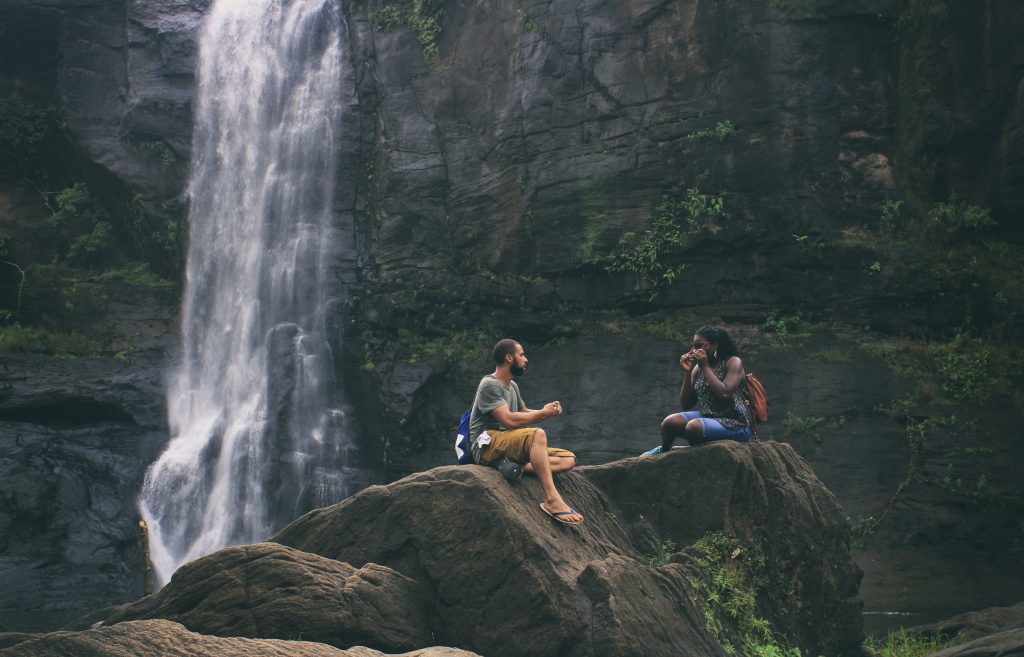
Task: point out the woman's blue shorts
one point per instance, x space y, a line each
713 429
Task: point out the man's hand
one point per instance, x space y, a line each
553 408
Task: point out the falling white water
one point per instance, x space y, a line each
252 433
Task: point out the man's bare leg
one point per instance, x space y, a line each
558 464
541 463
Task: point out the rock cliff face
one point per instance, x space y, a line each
487 174
75 438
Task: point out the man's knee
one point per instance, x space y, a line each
540 438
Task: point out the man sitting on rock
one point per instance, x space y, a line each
500 426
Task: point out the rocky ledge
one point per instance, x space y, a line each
169 639
992 632
696 552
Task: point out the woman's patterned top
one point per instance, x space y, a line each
732 412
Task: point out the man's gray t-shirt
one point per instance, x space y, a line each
490 394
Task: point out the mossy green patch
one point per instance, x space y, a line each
136 273
728 596
38 340
24 129
722 131
422 16
794 425
655 255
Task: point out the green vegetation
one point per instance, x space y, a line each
422 16
16 337
87 247
944 253
524 23
159 231
136 273
793 424
159 151
453 349
661 557
672 225
952 222
965 369
900 644
728 596
918 431
24 128
79 228
892 217
721 132
833 356
786 327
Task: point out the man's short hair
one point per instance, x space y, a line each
506 347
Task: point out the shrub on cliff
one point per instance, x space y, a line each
24 128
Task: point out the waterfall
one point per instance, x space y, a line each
254 440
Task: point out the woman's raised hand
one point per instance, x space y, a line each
687 360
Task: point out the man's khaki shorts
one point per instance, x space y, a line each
515 445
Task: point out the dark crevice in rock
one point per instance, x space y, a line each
68 414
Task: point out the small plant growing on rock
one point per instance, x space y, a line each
672 224
892 217
665 550
722 131
794 424
159 151
900 644
955 220
422 16
785 326
24 129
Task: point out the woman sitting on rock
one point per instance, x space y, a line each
713 381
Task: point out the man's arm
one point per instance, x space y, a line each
520 419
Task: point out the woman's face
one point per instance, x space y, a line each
700 342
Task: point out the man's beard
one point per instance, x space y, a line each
518 371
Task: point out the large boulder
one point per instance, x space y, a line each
271 591
975 624
1001 644
504 579
167 639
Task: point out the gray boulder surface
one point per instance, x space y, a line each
274 592
975 624
160 638
1009 643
